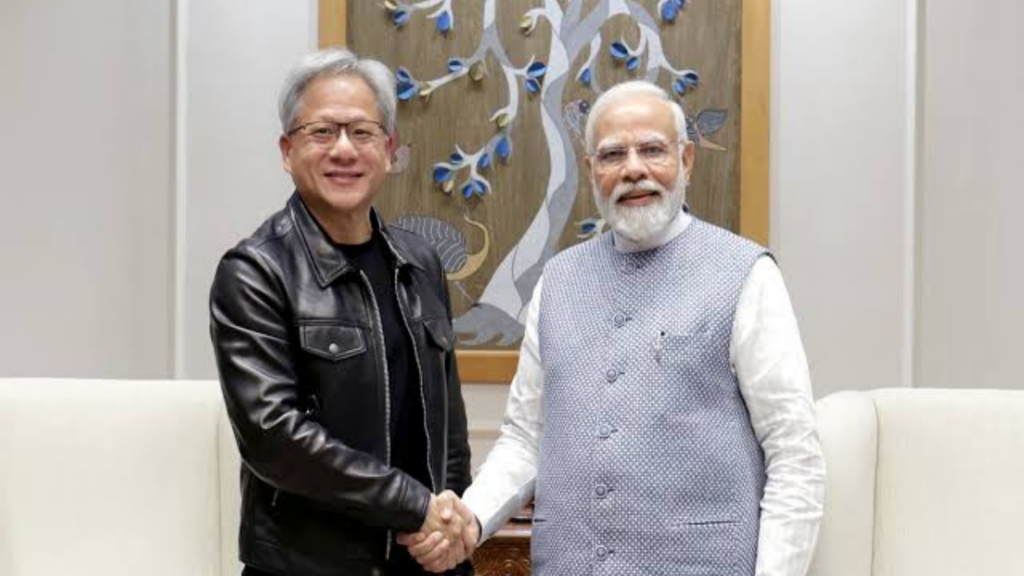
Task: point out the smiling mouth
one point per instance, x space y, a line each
343 176
637 197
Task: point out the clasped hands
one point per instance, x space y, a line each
448 535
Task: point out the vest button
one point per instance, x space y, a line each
601 490
620 320
604 431
612 375
601 552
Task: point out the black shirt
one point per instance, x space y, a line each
408 438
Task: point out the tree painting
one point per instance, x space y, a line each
576 49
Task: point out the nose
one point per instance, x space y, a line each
634 170
343 148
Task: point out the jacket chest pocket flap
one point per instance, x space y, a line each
440 333
331 341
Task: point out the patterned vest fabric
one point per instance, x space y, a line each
648 463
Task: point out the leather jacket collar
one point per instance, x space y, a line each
328 261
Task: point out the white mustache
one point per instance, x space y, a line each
624 188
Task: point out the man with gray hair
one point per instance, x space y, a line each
661 416
335 348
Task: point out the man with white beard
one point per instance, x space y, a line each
661 414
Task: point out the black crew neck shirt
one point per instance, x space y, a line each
408 436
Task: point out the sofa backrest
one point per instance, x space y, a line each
922 481
114 478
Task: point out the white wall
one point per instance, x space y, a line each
238 53
840 192
85 161
971 283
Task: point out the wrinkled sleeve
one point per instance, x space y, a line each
769 360
505 482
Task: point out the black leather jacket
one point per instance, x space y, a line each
298 341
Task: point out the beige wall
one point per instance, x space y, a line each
86 164
236 56
840 197
971 276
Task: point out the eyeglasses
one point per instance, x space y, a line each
326 132
652 152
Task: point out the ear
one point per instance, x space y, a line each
392 148
285 144
689 153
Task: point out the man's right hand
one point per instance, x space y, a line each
448 535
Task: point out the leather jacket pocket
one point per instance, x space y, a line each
440 333
331 341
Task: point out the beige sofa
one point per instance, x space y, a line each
111 478
922 483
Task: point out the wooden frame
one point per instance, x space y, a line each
498 367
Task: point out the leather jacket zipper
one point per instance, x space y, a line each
387 389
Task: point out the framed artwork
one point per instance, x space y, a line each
493 99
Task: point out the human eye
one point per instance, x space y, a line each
611 155
652 150
323 131
363 131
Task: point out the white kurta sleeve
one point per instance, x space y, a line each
505 482
769 360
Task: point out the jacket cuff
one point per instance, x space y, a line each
418 497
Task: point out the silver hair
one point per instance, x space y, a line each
336 62
633 88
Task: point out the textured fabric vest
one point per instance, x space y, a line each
648 463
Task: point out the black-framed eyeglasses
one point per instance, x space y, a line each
327 132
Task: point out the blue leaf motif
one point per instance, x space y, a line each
442 173
532 86
402 75
484 161
444 22
467 190
479 187
669 11
619 51
406 90
454 64
633 63
503 148
536 70
400 18
455 158
686 83
585 77
588 227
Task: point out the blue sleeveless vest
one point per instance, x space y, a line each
648 463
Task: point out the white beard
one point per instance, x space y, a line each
641 223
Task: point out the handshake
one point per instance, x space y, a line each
448 535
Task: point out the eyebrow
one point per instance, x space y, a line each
645 138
